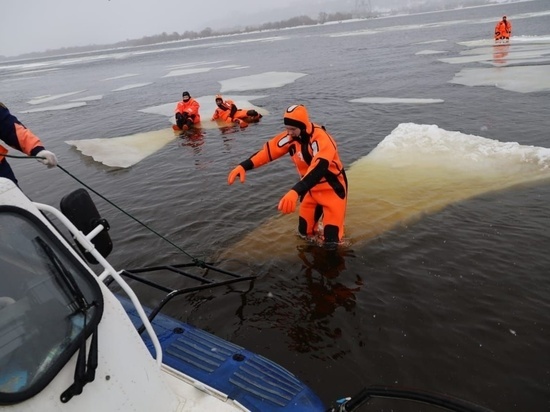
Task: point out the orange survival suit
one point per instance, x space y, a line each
187 111
227 111
323 186
14 134
503 29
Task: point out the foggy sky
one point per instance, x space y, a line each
38 25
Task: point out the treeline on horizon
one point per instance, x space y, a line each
434 5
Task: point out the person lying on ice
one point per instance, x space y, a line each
323 186
227 111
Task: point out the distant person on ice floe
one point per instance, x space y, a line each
503 29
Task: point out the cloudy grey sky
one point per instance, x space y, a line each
38 25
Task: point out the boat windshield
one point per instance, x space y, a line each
49 303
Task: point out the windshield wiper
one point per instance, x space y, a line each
85 370
64 278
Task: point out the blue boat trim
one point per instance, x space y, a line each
250 379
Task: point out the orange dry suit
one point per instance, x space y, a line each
16 135
187 113
227 111
503 30
323 185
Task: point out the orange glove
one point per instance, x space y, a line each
238 171
288 202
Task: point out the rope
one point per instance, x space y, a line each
198 262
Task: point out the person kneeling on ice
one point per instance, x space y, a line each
187 112
227 111
323 186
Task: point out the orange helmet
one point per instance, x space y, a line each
219 97
296 116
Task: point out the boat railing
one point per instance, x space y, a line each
109 272
202 282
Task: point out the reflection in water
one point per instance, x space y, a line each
299 304
311 327
229 129
327 294
500 51
193 139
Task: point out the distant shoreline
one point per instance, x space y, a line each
207 33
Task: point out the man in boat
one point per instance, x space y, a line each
323 186
16 135
227 111
503 29
187 112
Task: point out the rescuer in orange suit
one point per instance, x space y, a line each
187 112
227 111
16 135
503 29
323 186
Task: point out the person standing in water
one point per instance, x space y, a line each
503 29
323 186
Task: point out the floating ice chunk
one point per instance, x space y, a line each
522 79
393 100
425 52
49 98
124 151
415 171
432 41
267 80
122 76
131 86
57 107
184 72
88 98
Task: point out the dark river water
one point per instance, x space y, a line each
449 295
